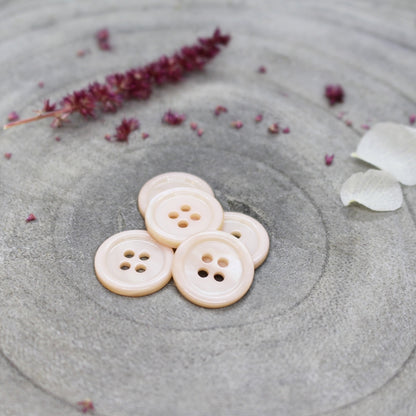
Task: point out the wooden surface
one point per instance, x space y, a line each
329 326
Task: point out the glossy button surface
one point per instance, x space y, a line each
167 181
213 269
132 263
176 214
250 232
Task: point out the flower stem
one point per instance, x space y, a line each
36 118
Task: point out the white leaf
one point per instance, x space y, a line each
375 189
390 147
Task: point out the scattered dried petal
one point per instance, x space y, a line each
261 70
375 189
41 84
173 118
86 406
103 37
341 115
274 128
348 123
8 156
237 124
108 137
57 138
220 109
13 116
365 127
412 119
125 128
81 53
193 126
334 94
258 118
200 132
30 218
329 159
145 135
286 130
391 147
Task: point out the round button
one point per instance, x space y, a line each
250 232
212 269
132 263
166 181
176 214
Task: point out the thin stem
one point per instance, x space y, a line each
56 113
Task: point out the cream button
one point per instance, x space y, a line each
176 214
212 269
132 263
250 232
166 181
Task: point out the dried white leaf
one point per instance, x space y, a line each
375 189
390 147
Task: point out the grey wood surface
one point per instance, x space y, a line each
329 325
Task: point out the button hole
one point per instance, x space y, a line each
129 254
236 234
207 258
182 224
185 208
202 273
125 266
173 215
218 277
144 256
195 216
222 262
140 268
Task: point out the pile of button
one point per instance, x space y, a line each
216 251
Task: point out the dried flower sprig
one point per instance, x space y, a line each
136 83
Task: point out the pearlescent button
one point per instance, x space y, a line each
167 181
213 269
132 263
176 214
250 232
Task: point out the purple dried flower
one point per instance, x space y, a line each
274 128
193 125
8 156
329 159
136 83
103 37
30 218
200 132
412 119
258 118
172 118
86 406
220 109
334 94
365 127
286 130
237 124
261 70
13 116
145 135
125 128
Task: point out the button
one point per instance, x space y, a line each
132 263
250 232
176 214
166 181
212 269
